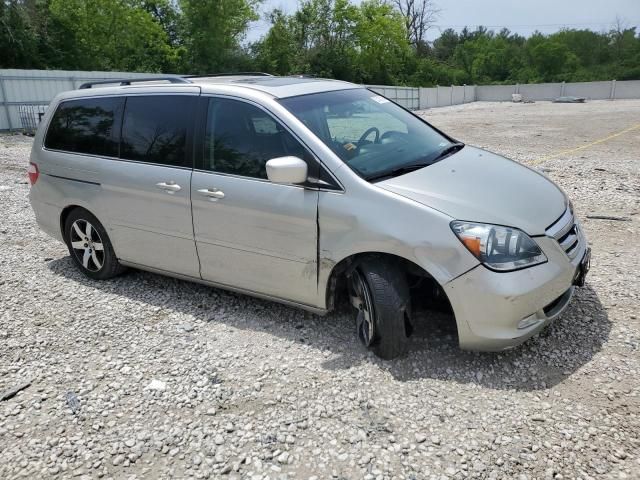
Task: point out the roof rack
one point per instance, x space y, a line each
129 81
232 74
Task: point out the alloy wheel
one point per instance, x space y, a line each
87 245
360 298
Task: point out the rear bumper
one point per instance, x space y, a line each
495 311
47 217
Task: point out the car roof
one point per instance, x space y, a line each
274 86
279 87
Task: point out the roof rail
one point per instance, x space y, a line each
129 81
231 74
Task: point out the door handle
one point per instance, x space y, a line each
169 187
211 192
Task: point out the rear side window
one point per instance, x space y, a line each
155 128
88 125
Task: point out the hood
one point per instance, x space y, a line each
480 186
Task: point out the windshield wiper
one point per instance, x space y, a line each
448 150
397 171
401 170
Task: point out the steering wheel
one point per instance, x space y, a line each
390 133
367 133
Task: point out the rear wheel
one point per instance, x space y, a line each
89 246
379 292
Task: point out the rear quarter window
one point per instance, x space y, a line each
88 125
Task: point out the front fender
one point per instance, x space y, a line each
372 220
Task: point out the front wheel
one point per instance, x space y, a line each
380 294
89 246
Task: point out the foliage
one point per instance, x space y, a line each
106 35
336 39
211 31
419 16
376 42
193 36
380 38
18 35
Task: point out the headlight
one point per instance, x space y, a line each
499 248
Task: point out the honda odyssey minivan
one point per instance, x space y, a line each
305 191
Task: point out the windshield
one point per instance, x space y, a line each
372 135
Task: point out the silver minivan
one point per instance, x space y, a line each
306 191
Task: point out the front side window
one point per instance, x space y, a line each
155 128
373 136
240 138
88 125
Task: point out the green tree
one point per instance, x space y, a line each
326 28
278 51
18 37
549 58
167 14
212 31
107 35
445 44
430 72
336 39
382 45
376 41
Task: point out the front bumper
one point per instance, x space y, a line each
498 310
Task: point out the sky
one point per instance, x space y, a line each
523 17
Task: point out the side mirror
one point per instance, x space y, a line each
287 170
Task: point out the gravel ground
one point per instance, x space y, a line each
145 376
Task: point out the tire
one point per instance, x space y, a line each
387 289
93 254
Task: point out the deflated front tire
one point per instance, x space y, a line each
379 292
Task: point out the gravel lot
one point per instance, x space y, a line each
171 379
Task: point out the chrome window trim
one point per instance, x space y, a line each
266 180
113 95
93 155
117 159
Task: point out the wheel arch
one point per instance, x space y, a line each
341 268
64 214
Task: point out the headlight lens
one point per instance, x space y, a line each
499 248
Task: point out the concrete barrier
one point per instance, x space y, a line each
540 91
626 89
589 90
494 93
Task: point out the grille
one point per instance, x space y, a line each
566 232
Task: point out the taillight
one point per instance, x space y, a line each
33 173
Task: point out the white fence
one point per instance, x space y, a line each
408 97
36 88
610 90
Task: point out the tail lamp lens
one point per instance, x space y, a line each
33 173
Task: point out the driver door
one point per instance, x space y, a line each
250 233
